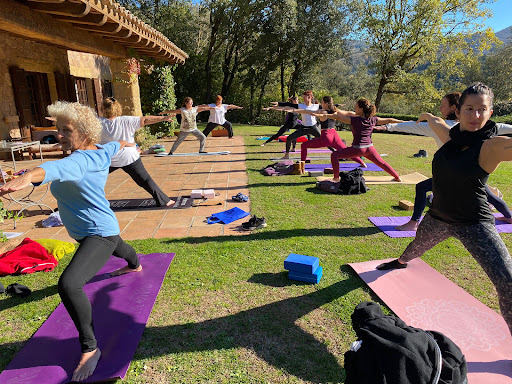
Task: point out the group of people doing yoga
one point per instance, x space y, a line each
470 150
362 121
188 124
98 147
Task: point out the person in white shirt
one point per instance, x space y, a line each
309 124
188 123
217 116
117 128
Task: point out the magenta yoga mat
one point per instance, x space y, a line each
424 298
121 307
387 225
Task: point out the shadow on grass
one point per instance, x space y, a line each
280 234
13 301
271 331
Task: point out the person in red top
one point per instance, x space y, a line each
362 121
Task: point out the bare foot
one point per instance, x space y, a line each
505 219
171 202
262 145
124 270
364 166
87 365
285 157
411 225
397 179
335 180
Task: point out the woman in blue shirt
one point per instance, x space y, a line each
78 184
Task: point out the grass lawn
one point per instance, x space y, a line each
227 312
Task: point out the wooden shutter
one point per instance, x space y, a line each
65 87
98 96
21 96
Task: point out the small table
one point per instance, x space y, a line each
19 146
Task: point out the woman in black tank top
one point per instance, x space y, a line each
460 170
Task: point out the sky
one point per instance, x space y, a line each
502 10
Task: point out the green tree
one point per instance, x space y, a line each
402 35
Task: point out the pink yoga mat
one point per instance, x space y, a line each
313 150
121 306
425 299
387 225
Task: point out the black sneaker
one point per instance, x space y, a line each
421 153
254 223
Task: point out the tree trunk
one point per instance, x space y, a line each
282 80
380 92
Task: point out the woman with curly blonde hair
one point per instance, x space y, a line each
78 184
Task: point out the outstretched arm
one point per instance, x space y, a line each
171 111
233 106
335 116
148 120
387 120
202 108
35 175
438 125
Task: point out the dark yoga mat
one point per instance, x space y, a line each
143 204
343 167
121 307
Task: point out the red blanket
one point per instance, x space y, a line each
28 257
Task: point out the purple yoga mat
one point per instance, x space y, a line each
121 306
387 225
343 167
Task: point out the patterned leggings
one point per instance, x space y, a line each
483 243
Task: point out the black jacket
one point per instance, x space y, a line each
393 352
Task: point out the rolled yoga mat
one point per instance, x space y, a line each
143 204
121 306
412 178
387 225
424 298
343 167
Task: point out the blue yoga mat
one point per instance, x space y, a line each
228 216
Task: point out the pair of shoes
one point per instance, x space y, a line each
254 223
421 153
299 168
240 197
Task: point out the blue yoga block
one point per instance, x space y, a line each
307 277
301 263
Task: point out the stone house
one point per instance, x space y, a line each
74 50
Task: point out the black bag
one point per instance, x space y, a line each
454 368
352 182
279 169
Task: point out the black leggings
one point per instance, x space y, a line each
211 126
281 131
301 131
139 174
91 255
483 243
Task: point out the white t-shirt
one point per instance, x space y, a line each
188 119
217 114
308 120
121 128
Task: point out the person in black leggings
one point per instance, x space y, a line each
217 116
309 125
460 169
78 184
290 122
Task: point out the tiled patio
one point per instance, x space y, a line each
177 176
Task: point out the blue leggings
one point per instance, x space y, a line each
420 200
